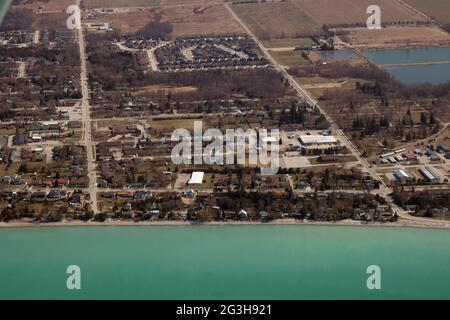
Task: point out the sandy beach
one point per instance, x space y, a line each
402 223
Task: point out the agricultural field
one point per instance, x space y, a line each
438 9
350 12
398 36
276 20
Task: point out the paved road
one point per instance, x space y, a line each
384 190
86 119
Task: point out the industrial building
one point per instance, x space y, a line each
402 175
318 141
429 174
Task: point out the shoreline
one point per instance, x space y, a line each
402 223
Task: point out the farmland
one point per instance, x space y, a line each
438 9
350 12
276 20
397 37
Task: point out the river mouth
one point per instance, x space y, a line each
414 66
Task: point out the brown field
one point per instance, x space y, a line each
290 42
438 9
144 3
397 36
215 20
276 20
50 21
119 3
126 22
347 12
50 5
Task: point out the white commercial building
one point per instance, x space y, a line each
318 140
196 177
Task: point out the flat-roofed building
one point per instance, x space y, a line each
318 141
196 177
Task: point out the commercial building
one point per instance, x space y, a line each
429 174
402 175
318 141
196 177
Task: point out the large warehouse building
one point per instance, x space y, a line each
318 141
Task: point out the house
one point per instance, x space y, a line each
242 214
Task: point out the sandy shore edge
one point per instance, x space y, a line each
402 223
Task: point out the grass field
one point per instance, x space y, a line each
347 12
276 20
438 9
291 42
289 58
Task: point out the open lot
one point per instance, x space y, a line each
143 3
120 3
215 19
292 42
276 20
438 9
289 58
397 36
48 5
349 12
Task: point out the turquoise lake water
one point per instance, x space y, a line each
4 5
224 262
434 74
